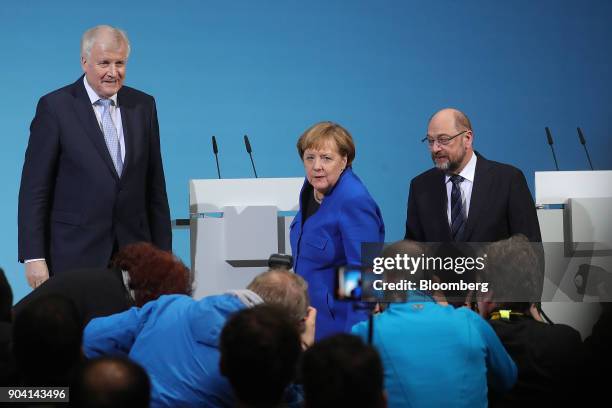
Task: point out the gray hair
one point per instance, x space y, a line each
284 288
515 270
91 36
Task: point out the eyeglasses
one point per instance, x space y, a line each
442 140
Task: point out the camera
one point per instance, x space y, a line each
282 261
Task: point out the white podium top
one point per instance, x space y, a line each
556 187
214 194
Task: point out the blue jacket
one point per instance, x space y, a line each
175 339
438 356
330 238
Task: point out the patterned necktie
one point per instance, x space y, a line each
457 213
110 135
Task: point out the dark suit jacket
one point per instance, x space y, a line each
73 207
95 292
8 369
550 362
501 205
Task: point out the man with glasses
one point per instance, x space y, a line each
465 197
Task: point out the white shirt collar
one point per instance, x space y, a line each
93 96
126 283
468 171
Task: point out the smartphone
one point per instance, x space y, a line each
357 284
348 283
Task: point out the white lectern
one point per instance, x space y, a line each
575 210
235 225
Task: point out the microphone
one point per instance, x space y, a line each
249 151
216 151
550 142
583 142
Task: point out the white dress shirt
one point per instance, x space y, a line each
466 187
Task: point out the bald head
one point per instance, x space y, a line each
450 140
459 119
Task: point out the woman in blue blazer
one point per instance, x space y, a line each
336 215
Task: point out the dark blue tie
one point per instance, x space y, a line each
457 213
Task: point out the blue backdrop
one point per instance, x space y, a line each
273 68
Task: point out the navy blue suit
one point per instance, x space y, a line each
332 237
73 207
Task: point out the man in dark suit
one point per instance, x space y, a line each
93 179
466 197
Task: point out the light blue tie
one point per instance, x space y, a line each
110 135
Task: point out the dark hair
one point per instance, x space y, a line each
396 275
453 250
153 272
514 272
47 338
260 348
6 298
440 252
342 371
111 382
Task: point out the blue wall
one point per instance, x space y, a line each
272 68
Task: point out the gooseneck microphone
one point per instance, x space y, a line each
249 151
583 143
550 142
216 151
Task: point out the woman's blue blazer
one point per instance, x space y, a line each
332 237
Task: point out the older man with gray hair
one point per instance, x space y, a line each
176 338
92 179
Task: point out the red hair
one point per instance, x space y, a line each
153 272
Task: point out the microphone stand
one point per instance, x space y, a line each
249 150
370 307
583 142
215 151
550 143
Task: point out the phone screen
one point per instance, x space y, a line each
348 283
